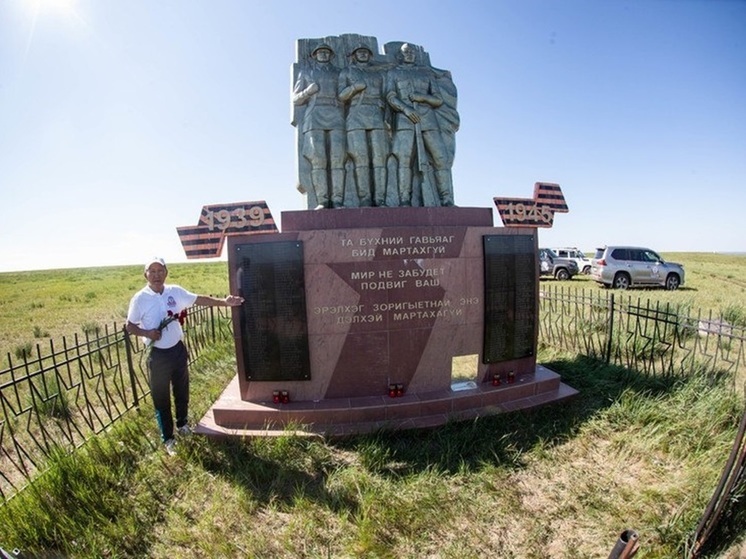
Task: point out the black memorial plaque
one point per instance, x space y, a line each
509 297
274 333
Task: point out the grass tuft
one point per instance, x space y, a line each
90 328
39 333
735 314
24 350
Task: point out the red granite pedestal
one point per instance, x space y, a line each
232 416
394 297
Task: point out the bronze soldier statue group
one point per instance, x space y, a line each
375 126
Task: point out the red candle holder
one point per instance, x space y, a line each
496 379
511 377
284 396
276 396
392 391
400 390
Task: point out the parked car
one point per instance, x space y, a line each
621 267
552 265
584 263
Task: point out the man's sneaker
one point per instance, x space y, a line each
170 445
184 431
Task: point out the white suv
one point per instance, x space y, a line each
622 267
572 253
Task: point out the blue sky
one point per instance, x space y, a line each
120 119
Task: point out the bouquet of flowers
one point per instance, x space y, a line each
170 317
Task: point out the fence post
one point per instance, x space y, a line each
626 546
212 323
130 366
610 333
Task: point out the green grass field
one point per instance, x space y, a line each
563 481
37 306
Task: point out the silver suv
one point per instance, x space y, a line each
621 267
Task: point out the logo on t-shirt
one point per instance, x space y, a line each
170 302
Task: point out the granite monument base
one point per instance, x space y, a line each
360 319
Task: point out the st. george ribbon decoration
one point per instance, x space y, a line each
205 240
533 212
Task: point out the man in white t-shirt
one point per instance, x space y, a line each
155 314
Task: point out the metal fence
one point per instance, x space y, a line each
658 339
62 395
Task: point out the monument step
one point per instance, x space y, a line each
342 416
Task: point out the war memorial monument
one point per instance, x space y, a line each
383 305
